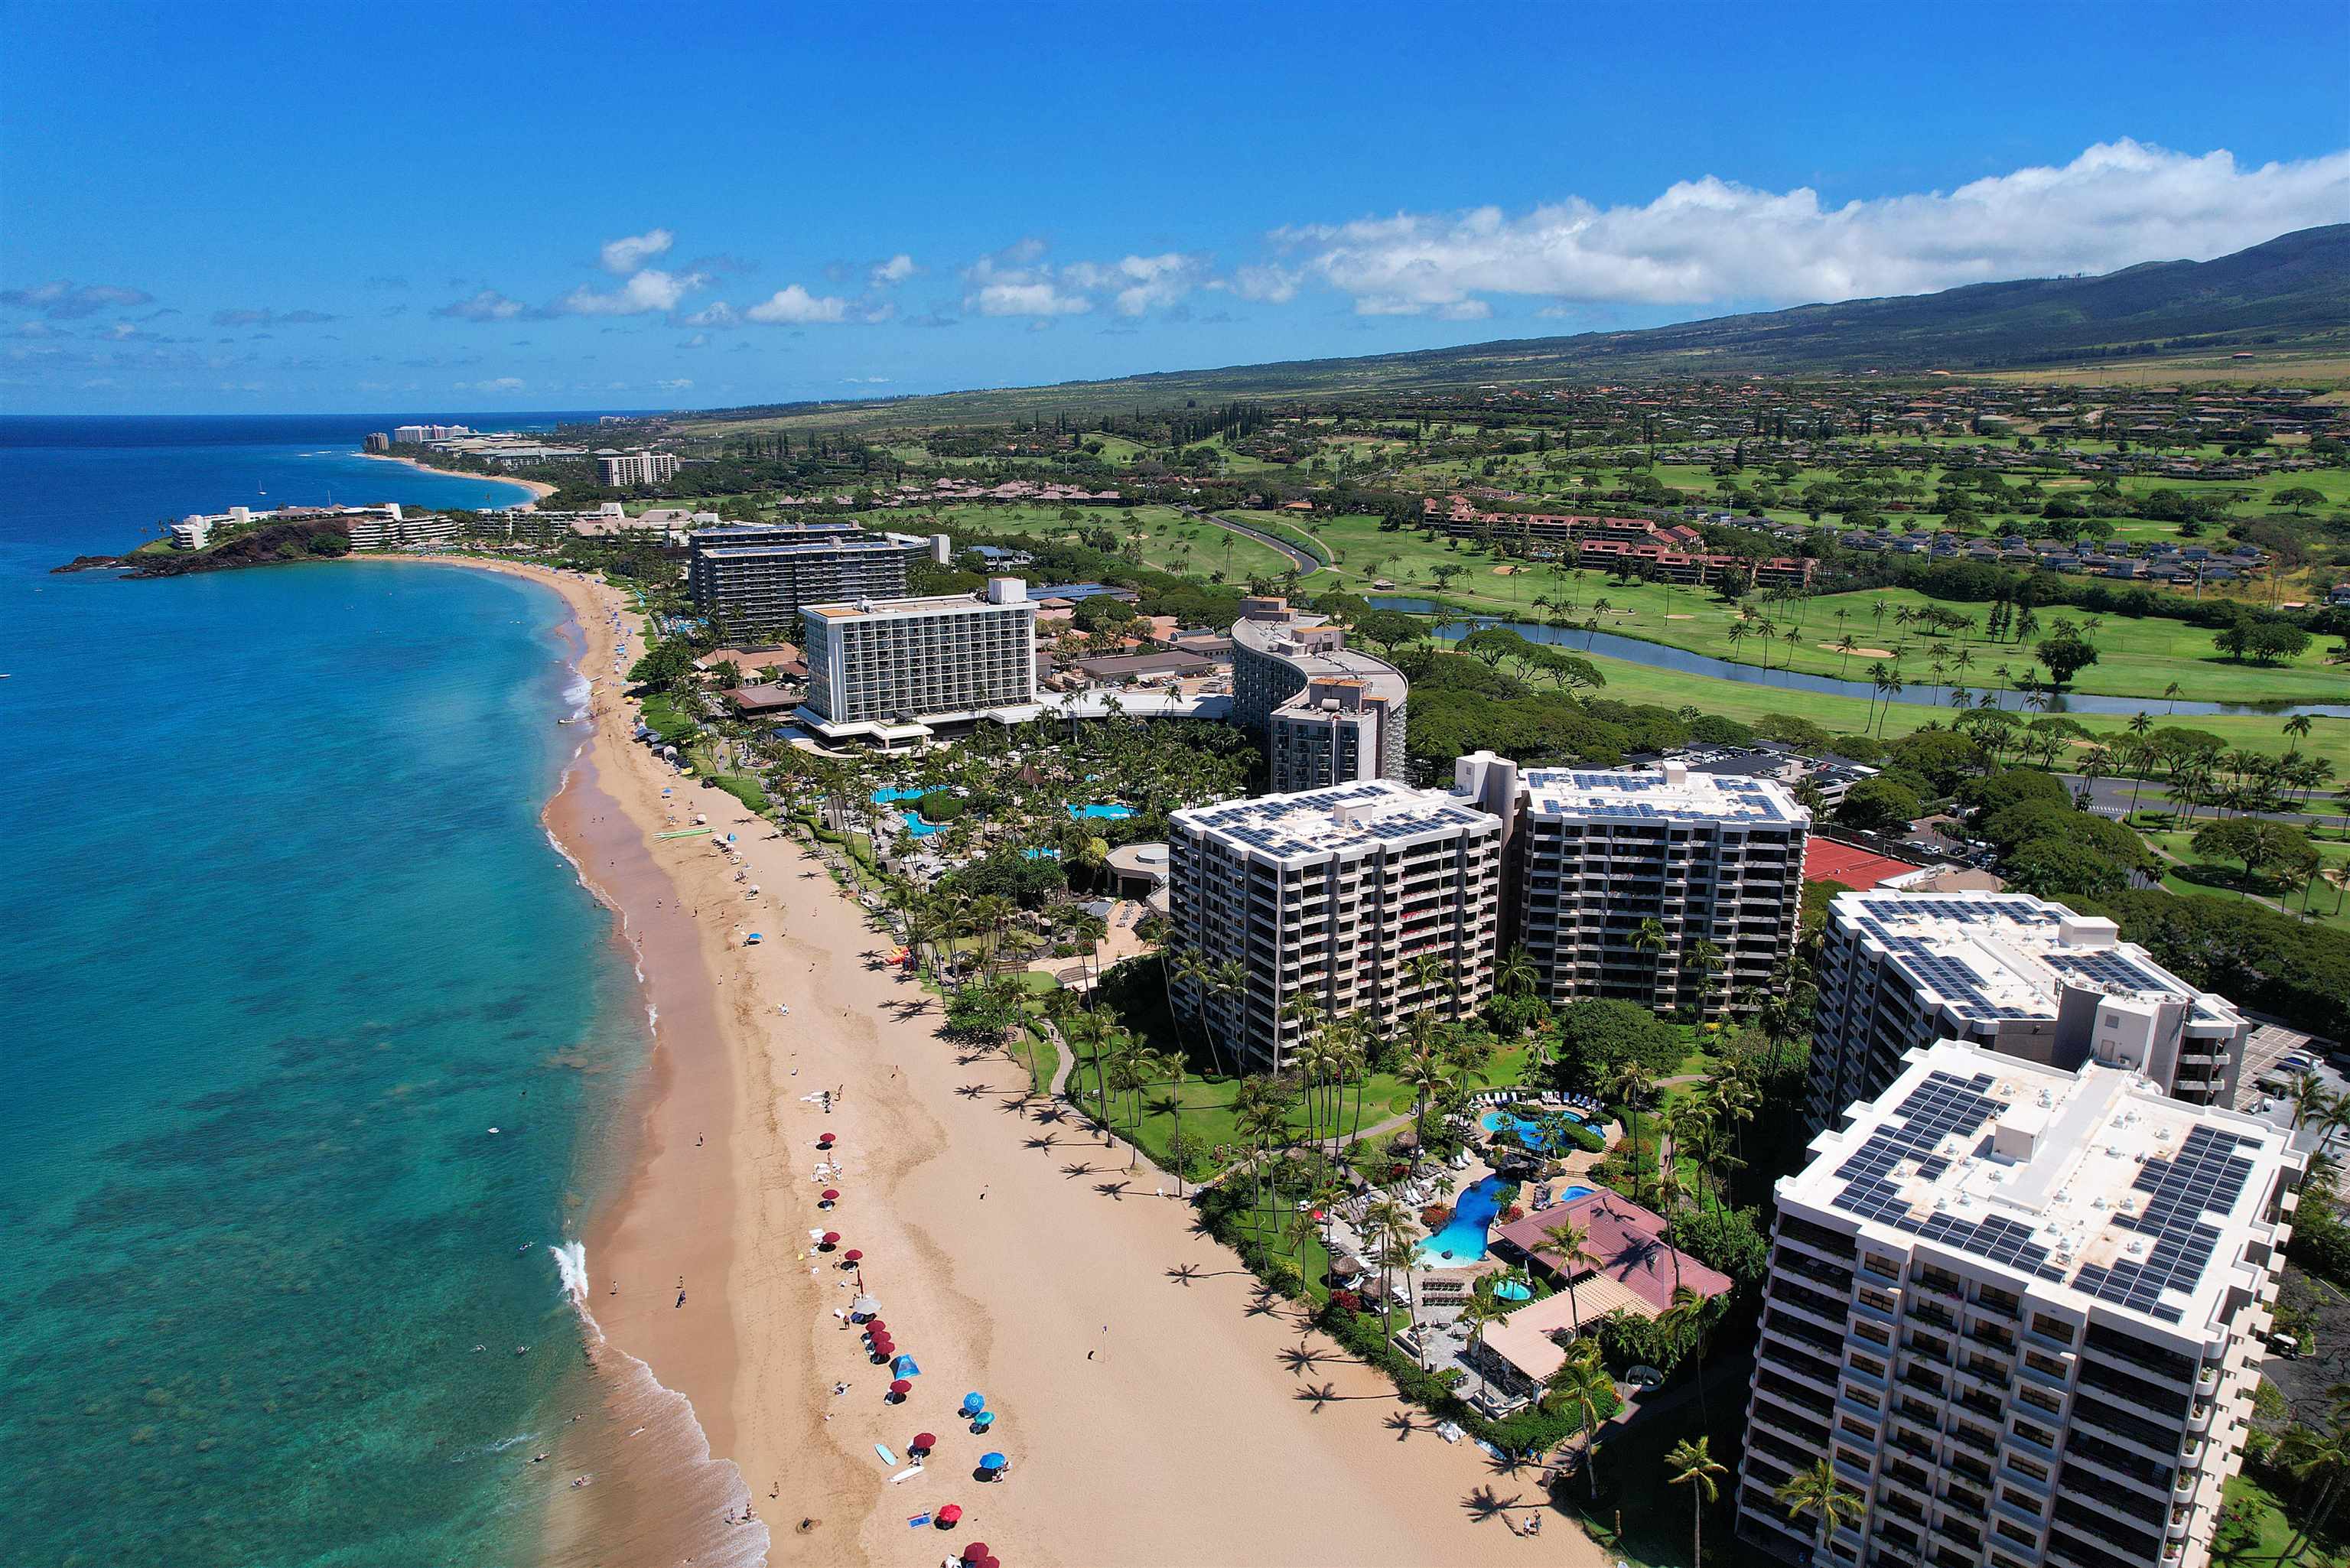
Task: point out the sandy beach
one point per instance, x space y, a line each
1154 1406
539 489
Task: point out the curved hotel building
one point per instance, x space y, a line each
1325 714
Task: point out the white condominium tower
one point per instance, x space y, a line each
1339 894
1594 857
1325 712
615 470
2013 974
875 667
2017 1309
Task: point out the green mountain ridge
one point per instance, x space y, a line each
2291 292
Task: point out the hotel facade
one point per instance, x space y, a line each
2012 974
2018 1310
890 666
753 579
1593 857
1332 896
1325 714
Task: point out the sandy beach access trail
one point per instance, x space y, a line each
1157 1409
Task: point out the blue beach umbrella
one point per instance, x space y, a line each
990 1462
973 1403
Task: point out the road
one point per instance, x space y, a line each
2111 797
1302 559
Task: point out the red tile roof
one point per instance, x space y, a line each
1627 1240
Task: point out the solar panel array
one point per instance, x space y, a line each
1284 825
2208 1172
1943 1106
1705 797
1954 980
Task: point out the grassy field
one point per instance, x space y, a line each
1170 542
2139 658
2218 879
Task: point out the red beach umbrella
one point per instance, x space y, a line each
988 1562
926 1441
974 1552
831 1237
903 1385
876 1328
854 1256
830 1196
951 1514
825 1139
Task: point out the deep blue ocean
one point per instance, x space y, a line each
284 939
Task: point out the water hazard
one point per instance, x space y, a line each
1662 656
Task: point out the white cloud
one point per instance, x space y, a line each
679 385
489 305
717 313
646 291
793 304
626 255
896 270
495 384
1137 284
1270 284
67 301
1711 239
1038 298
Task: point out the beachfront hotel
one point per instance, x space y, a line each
1592 858
753 578
2018 1309
1332 895
1325 714
2012 974
890 669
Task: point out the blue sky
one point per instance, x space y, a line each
408 208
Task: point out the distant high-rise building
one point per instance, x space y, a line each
620 470
1336 896
753 578
1594 857
879 667
378 441
2018 1311
1325 714
410 435
2012 974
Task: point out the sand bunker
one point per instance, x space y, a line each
1857 652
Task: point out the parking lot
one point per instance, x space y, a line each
2271 1044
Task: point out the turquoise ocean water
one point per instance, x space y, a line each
284 939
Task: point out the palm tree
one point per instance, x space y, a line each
1582 1385
1630 1083
1172 1063
1570 1243
2322 1455
1387 1227
1651 939
1818 1491
1845 645
1423 1075
1692 1465
1687 1315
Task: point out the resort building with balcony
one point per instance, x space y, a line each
1325 712
751 579
1337 896
2018 1309
1593 857
2012 974
891 668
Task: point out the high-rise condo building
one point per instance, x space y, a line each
2012 974
1370 899
753 578
1615 878
2018 1310
1325 712
885 668
617 469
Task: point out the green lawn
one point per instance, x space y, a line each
1170 541
2274 1530
2140 657
2220 879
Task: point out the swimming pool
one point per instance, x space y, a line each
1511 1290
1463 1240
921 827
1529 1131
1040 854
892 796
1103 811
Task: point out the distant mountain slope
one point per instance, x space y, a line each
2294 291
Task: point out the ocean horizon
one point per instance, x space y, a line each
292 941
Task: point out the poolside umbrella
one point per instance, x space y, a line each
990 1462
923 1443
950 1516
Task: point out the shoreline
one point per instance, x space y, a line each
539 489
1015 1250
